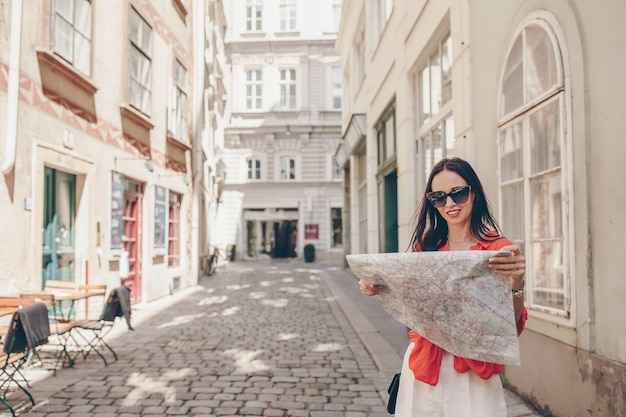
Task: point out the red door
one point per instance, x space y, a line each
132 238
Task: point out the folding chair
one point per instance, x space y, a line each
116 305
28 329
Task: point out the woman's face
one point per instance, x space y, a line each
455 214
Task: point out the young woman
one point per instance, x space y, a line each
454 214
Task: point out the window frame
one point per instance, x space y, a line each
287 21
140 50
427 128
290 156
254 100
331 222
559 93
288 89
254 15
178 114
76 34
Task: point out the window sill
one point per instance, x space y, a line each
287 33
135 116
59 66
177 142
253 34
179 5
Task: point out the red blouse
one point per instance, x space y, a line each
425 358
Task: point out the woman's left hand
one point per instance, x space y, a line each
513 266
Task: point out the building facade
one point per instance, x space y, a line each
283 187
530 93
99 105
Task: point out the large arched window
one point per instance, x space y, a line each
533 156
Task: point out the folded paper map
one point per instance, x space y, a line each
454 299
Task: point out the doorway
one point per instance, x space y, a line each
133 192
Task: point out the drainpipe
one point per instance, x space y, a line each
13 87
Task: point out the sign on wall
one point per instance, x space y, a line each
311 231
117 210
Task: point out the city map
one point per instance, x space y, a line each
454 299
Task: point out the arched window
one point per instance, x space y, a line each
534 184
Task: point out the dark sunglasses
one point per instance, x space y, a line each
458 194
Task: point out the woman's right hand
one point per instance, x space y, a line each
369 289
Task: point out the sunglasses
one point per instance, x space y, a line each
458 194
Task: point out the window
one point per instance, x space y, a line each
336 76
336 231
254 89
254 15
386 134
532 139
337 171
287 9
72 33
362 217
173 245
254 169
287 167
435 133
140 63
177 122
336 14
288 89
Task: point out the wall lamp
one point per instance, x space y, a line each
148 162
183 176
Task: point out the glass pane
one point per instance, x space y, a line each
511 155
545 138
82 57
513 87
437 137
545 197
390 140
541 68
547 272
64 8
513 211
446 70
424 79
82 21
435 83
449 137
63 39
428 156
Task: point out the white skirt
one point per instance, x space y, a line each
455 395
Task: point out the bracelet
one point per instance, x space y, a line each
519 293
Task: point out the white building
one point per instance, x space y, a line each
101 104
531 93
283 187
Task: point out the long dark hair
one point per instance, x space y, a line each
431 231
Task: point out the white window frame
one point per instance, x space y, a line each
177 120
253 89
254 15
71 33
288 88
336 91
337 10
140 78
287 11
435 136
558 94
262 160
283 158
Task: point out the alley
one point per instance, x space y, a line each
256 338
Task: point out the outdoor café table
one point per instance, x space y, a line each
62 320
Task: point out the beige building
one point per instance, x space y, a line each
283 186
530 92
100 104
